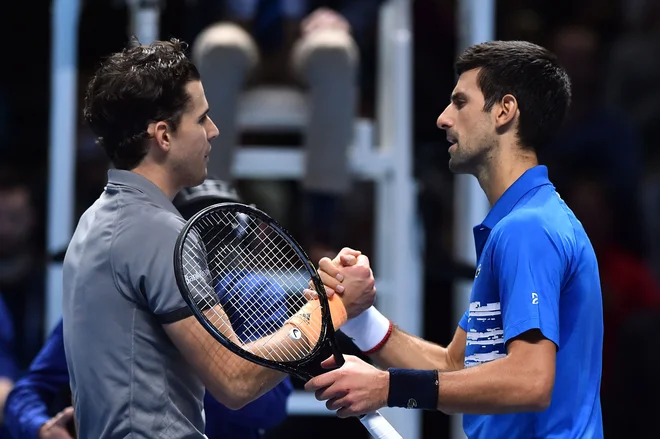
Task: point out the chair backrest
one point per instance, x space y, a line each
272 109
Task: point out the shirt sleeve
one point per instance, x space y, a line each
146 255
265 412
463 324
529 266
26 409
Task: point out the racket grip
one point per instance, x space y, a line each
379 427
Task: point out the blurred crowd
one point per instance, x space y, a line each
605 163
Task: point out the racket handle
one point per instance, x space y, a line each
379 427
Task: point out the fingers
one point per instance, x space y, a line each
335 403
310 294
350 251
321 381
329 363
346 412
331 269
63 417
331 282
347 260
363 261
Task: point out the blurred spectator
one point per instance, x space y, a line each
633 71
633 75
39 405
593 132
298 43
36 409
43 391
21 267
627 282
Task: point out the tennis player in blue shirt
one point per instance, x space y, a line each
27 409
525 361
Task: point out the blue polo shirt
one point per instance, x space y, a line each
537 269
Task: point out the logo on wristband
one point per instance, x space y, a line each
412 403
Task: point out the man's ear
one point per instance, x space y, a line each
160 132
506 111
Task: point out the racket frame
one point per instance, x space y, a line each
327 336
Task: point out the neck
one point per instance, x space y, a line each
159 176
502 170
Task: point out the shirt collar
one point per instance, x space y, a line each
133 180
532 178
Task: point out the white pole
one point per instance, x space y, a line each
63 92
145 20
398 247
476 24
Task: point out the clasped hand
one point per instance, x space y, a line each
357 387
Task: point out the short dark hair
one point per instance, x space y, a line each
529 72
132 88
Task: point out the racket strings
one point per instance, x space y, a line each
257 277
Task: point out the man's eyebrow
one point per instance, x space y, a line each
204 114
459 95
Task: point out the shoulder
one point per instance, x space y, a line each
544 227
145 229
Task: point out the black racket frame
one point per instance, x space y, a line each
299 368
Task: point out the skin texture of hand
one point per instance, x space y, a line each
353 281
324 18
346 257
55 428
354 389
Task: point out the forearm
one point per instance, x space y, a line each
249 383
235 381
389 346
500 386
265 412
407 351
26 411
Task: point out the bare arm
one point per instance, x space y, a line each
232 380
229 378
401 349
407 351
5 387
521 381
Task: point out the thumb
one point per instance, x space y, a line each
329 363
347 260
350 251
63 417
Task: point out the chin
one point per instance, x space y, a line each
197 179
459 166
454 165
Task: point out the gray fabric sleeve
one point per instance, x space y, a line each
143 257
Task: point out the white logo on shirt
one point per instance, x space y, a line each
535 299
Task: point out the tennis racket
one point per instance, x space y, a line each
249 284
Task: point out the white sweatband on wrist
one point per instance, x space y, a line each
369 331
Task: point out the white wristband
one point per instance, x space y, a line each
368 330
